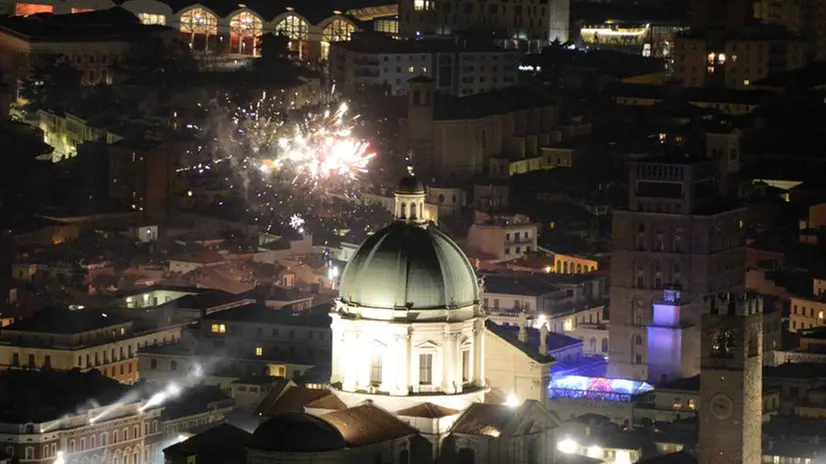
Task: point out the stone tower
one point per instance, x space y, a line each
731 379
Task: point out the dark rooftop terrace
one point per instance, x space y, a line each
115 24
61 320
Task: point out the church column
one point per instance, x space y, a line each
348 365
398 366
448 363
478 356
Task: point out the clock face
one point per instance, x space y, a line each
721 406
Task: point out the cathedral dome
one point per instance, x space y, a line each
297 433
410 185
409 266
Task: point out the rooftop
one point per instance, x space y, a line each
64 321
40 396
381 44
314 12
489 103
218 445
113 24
255 312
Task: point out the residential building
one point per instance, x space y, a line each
233 31
74 416
93 42
458 136
63 338
807 312
244 341
143 173
533 25
735 61
679 232
65 132
457 67
503 238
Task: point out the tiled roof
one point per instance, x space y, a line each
428 410
368 424
291 399
330 402
486 419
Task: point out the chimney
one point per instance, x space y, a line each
543 340
523 327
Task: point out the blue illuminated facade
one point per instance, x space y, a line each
596 388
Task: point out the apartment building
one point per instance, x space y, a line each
458 67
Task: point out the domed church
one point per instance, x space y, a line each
409 381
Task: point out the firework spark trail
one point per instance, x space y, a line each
286 164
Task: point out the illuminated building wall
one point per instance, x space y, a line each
115 356
736 62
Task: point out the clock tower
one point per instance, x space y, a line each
731 380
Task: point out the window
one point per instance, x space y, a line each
466 365
219 328
375 367
104 439
153 363
293 27
411 69
259 351
422 5
338 30
425 369
678 403
30 452
691 404
147 18
245 30
115 436
173 365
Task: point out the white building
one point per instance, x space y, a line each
458 68
410 376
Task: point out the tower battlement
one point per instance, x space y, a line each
731 304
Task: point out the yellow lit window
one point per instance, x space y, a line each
219 328
678 403
746 82
411 69
568 325
421 5
691 403
710 69
259 351
820 315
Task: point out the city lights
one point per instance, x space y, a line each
567 446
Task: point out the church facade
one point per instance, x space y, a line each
408 376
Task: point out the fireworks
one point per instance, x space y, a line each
297 169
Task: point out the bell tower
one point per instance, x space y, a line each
731 380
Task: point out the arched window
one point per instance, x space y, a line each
293 27
245 30
197 26
604 345
376 365
338 30
592 344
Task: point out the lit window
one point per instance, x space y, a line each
691 404
259 351
422 5
294 27
26 9
568 325
710 69
746 82
678 403
466 365
219 328
150 19
411 69
245 30
820 315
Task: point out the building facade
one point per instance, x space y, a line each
63 339
457 67
737 61
214 29
679 232
535 24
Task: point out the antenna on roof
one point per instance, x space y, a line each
409 160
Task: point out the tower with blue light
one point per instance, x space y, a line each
670 353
